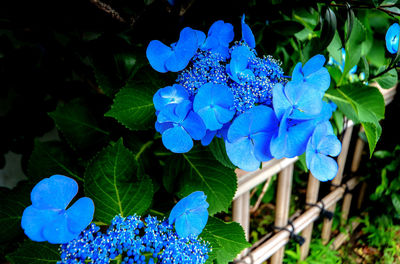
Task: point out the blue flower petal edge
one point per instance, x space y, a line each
392 38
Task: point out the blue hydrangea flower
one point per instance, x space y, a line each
179 125
313 73
174 94
392 38
237 68
322 144
190 215
47 218
219 36
175 58
247 34
248 138
214 104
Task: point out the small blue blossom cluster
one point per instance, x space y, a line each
132 240
224 89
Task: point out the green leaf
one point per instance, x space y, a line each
35 253
353 46
388 80
112 181
12 204
133 106
217 148
204 173
396 202
78 125
335 48
328 28
286 27
227 239
362 104
172 171
49 158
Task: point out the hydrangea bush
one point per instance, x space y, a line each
149 108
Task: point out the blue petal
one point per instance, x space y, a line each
280 101
184 50
240 127
190 214
80 214
55 192
220 35
175 113
239 60
57 232
392 38
297 74
206 140
305 101
323 168
320 80
207 114
223 115
241 153
263 119
34 220
247 34
313 64
194 125
161 127
177 140
261 143
157 53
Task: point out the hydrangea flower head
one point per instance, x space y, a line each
392 38
175 58
47 219
190 215
247 143
322 144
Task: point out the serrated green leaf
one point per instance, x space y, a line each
111 180
217 148
204 173
35 253
49 158
362 104
228 238
388 80
133 107
78 125
12 204
335 48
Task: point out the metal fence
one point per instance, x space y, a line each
272 246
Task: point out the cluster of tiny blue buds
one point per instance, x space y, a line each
132 240
208 67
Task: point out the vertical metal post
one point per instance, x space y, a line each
282 206
311 198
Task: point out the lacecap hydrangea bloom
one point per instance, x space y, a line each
225 89
47 219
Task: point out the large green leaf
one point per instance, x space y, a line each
226 239
78 125
388 80
217 148
35 253
133 106
204 173
362 104
49 158
112 181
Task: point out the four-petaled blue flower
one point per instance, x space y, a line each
322 144
219 36
392 38
313 73
214 104
169 95
175 58
248 138
190 215
47 219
